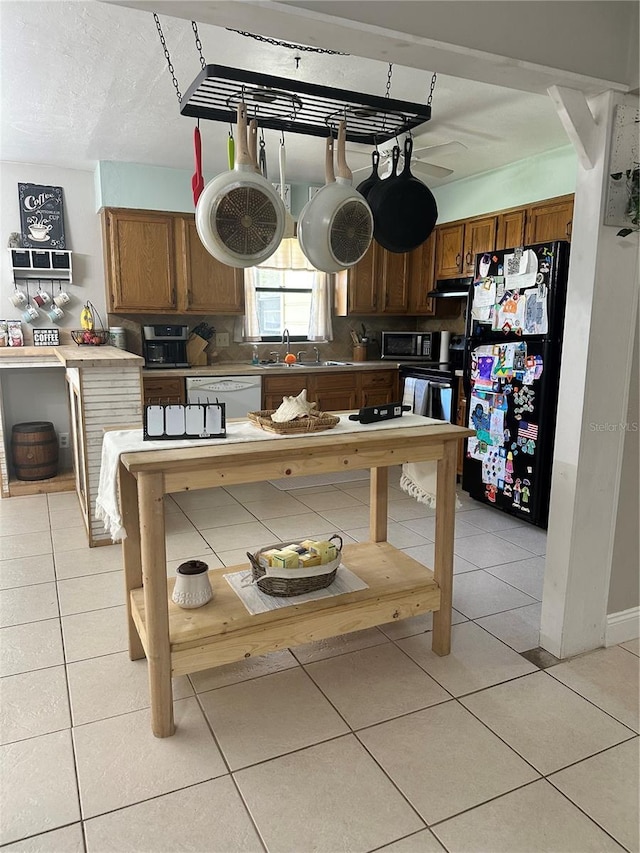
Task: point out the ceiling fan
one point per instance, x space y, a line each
418 165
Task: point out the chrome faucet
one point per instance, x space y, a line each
277 355
317 352
286 339
299 355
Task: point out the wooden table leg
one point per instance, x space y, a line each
378 494
131 553
154 574
443 563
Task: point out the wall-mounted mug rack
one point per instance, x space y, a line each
42 263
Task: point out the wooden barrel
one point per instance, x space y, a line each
34 449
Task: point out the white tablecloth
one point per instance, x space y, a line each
116 442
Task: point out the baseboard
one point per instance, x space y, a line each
622 626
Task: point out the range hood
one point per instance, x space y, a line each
452 287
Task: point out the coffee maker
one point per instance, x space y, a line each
165 346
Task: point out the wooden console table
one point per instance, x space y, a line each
177 641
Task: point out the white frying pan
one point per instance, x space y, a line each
239 216
335 228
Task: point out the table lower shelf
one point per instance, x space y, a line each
223 631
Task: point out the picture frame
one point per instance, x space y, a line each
41 216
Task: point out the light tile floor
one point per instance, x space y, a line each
363 742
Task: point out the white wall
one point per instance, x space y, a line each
40 394
137 185
82 230
533 179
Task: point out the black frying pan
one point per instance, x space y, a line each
404 209
365 187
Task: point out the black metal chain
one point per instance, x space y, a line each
389 73
168 58
287 44
194 26
431 88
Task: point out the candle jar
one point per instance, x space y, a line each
192 587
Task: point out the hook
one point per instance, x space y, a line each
282 137
230 130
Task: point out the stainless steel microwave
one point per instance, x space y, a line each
411 346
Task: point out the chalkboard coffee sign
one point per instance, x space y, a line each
41 216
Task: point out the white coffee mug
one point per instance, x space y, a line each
18 298
41 298
55 313
30 314
62 298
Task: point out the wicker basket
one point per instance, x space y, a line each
286 582
315 422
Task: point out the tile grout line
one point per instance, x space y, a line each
68 691
209 725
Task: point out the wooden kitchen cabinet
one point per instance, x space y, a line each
449 250
458 243
155 263
421 278
274 388
550 220
479 236
207 286
164 389
377 387
140 261
333 390
378 284
511 228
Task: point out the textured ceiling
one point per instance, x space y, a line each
82 82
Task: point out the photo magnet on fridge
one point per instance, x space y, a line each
41 216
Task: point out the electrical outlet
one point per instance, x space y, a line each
63 440
222 339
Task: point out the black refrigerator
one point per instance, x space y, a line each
515 320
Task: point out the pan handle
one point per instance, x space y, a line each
395 159
242 154
375 159
253 144
343 170
408 150
328 162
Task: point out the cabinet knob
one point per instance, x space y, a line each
458 258
468 258
569 228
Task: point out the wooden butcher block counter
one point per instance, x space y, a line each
177 641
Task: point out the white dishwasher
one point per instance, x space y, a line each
240 394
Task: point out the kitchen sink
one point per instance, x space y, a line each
322 364
306 364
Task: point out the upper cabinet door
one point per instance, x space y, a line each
140 260
511 227
421 278
479 236
393 280
449 250
209 287
549 222
362 284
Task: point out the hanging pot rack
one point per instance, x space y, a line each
295 106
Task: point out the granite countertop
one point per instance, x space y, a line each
68 356
245 368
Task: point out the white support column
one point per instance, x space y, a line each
596 364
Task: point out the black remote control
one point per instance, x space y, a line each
373 414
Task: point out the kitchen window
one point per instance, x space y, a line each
287 292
